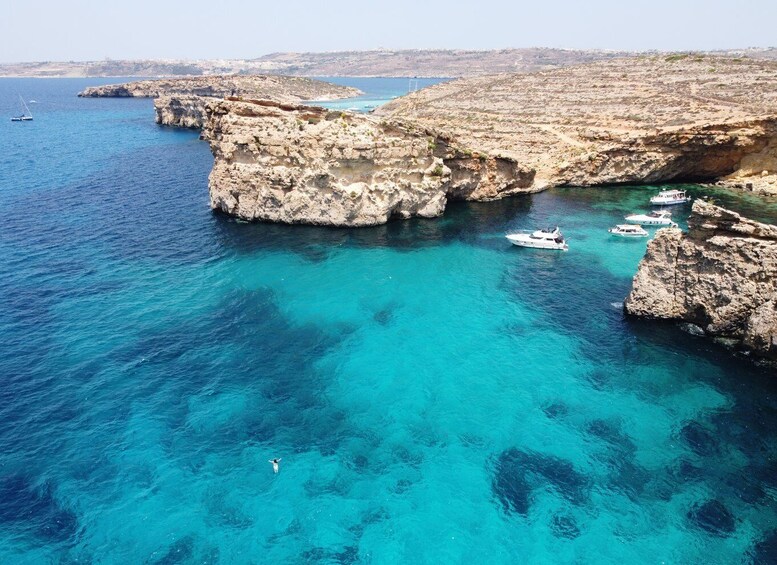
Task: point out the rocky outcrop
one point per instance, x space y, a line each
279 88
649 119
181 111
181 102
720 276
299 164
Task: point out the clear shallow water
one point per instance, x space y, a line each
436 394
376 91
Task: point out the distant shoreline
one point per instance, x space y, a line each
408 63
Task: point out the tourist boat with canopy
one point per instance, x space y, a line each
655 218
670 197
628 230
540 239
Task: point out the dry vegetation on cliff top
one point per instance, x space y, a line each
549 119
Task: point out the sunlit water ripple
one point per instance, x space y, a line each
436 395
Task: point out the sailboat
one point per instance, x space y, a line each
26 116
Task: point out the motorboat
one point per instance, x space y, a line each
670 197
628 230
540 239
655 218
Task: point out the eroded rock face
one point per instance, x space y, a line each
721 276
650 119
636 120
181 102
180 111
280 88
298 164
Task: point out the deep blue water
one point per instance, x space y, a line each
435 394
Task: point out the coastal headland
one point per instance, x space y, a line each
634 120
720 277
181 101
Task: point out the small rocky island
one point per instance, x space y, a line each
720 276
648 119
181 102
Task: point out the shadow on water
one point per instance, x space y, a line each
270 360
462 222
34 511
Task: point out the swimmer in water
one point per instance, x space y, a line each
275 466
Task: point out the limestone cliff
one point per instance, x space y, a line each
280 88
720 276
181 102
650 119
180 111
299 164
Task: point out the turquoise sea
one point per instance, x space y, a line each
436 395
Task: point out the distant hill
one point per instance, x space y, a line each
382 62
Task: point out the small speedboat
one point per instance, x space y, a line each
656 218
540 239
628 230
670 197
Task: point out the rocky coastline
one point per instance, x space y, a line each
181 102
721 277
637 120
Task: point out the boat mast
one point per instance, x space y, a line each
25 106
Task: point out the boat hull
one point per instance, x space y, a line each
629 235
643 221
535 244
656 202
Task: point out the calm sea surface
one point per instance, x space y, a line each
435 394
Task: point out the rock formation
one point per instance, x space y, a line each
652 119
180 111
270 87
181 101
299 164
720 276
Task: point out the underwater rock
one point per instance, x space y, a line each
34 510
765 551
688 471
556 410
180 552
701 441
564 527
713 517
518 473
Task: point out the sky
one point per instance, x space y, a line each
57 30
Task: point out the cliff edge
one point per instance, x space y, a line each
181 102
650 119
637 120
720 276
300 164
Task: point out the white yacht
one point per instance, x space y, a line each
540 239
656 218
628 230
669 197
